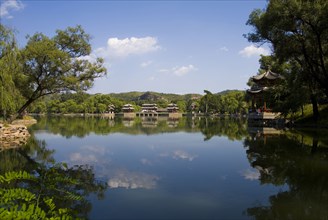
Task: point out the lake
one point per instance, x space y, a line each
191 168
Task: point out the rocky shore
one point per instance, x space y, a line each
13 136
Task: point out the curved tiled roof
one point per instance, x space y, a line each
257 90
267 75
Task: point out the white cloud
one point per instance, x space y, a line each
179 154
225 49
91 58
9 5
145 161
128 46
146 63
253 51
83 159
132 180
251 174
180 71
183 70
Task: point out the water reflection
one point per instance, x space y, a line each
132 180
298 159
34 186
201 168
234 129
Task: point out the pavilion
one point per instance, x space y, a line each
262 83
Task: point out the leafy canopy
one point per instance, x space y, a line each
48 65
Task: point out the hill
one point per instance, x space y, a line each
152 96
224 92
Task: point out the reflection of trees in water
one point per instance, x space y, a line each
55 189
234 129
284 159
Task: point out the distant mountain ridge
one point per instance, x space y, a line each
228 91
153 96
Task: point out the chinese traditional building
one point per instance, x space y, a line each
262 83
127 108
173 111
149 108
128 111
171 108
111 109
260 110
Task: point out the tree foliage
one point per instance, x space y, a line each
9 72
297 30
57 64
47 65
34 186
231 102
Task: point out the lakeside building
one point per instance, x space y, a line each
128 111
149 108
127 108
171 108
173 111
111 109
261 111
262 83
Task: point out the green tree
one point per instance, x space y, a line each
9 72
182 105
54 65
297 31
208 103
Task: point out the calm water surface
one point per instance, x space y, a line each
192 168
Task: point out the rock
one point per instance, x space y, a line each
13 136
26 122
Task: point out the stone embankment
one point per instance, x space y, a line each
13 136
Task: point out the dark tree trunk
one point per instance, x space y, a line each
22 109
315 142
315 109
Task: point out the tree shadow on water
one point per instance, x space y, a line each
34 186
284 159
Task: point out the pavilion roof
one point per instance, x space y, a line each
255 90
267 75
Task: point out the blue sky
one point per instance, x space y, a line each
163 46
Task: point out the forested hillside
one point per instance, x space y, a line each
223 102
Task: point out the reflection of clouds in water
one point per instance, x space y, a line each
144 161
88 154
251 174
164 154
95 149
132 180
78 157
179 154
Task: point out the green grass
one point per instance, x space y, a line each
307 118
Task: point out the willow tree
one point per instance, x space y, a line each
9 71
57 64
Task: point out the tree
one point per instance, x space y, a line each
297 31
58 64
208 103
9 71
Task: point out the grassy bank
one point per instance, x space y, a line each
306 120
